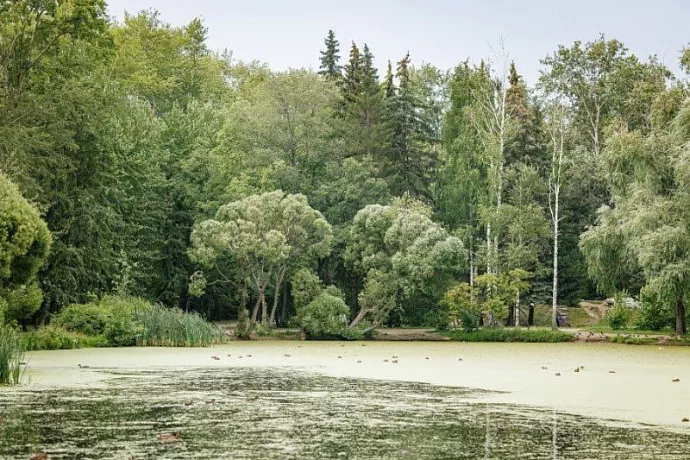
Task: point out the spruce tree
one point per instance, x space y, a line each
363 111
410 158
528 145
329 68
352 75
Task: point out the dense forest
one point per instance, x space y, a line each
136 161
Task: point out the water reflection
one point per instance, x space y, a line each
262 413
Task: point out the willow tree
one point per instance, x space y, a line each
265 235
402 252
647 227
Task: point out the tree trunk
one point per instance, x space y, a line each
276 295
681 327
255 311
264 308
554 294
360 316
530 316
284 307
517 310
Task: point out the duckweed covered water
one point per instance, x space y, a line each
290 413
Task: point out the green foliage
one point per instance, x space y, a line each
24 246
654 315
243 330
620 315
306 286
463 308
172 327
510 335
11 355
326 317
57 338
88 319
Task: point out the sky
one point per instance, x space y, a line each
289 34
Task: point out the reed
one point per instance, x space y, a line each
11 355
172 327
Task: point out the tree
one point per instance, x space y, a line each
24 246
403 253
265 235
329 68
410 159
557 122
646 227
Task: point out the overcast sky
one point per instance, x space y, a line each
289 34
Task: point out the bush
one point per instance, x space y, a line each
325 317
437 318
462 307
89 319
57 338
620 315
11 355
654 316
121 330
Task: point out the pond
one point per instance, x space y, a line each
266 400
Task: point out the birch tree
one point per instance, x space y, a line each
557 126
492 121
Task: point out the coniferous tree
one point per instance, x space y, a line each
410 158
329 68
352 75
363 116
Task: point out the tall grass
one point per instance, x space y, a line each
172 327
11 355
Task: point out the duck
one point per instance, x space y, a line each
395 361
340 357
685 419
287 356
385 360
216 358
544 368
82 367
394 357
210 401
459 359
612 372
426 357
675 380
359 361
557 374
170 437
577 369
249 356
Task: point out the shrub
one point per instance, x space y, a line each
654 315
325 317
57 338
11 355
462 306
620 315
89 319
437 318
121 330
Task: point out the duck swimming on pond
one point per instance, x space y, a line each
170 437
82 367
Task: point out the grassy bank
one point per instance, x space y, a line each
510 335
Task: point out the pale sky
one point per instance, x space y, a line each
289 34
